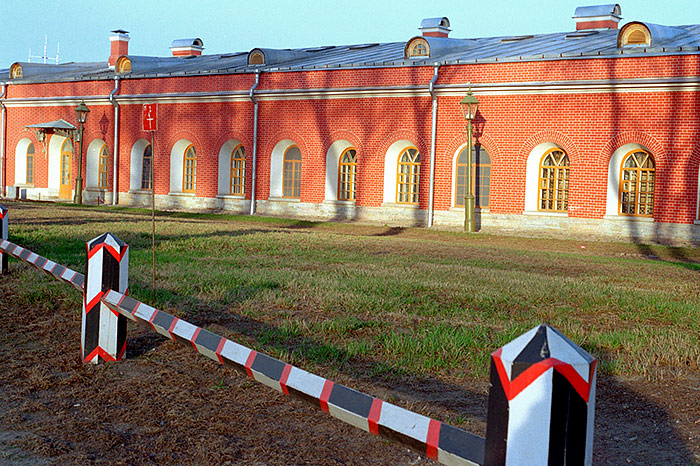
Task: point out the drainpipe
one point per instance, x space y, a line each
3 161
433 132
113 100
255 140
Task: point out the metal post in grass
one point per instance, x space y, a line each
104 331
541 402
3 237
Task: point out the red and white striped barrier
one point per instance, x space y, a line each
3 237
541 401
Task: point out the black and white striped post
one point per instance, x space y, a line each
3 237
103 330
541 402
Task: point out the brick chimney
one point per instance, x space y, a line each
187 47
597 17
435 27
120 45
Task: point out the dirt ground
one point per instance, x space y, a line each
167 405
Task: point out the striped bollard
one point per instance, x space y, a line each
103 330
3 237
541 402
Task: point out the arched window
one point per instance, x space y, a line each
30 164
238 170
347 175
554 181
481 177
637 178
103 174
418 47
256 58
146 168
291 175
189 170
408 179
66 158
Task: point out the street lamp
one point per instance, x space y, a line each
81 112
469 105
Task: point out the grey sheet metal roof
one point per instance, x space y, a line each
58 124
562 45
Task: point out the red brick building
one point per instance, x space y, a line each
595 130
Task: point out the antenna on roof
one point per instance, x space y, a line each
44 57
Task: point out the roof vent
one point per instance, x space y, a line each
435 27
187 47
597 16
120 45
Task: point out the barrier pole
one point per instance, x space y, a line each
541 402
103 336
3 237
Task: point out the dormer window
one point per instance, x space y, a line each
634 34
16 71
256 58
417 48
123 65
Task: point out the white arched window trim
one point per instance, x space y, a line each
277 167
697 204
21 161
177 155
225 167
332 162
532 179
92 164
136 172
391 161
54 175
612 198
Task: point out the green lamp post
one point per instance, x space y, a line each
81 112
469 105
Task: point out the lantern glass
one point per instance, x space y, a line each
81 112
469 105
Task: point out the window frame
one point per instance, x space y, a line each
477 149
295 173
146 184
103 167
555 183
349 194
411 179
191 186
415 44
637 193
70 153
239 149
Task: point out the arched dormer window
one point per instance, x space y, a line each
256 57
417 48
634 34
123 65
16 71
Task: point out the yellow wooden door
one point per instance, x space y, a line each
64 191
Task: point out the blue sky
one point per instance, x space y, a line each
82 27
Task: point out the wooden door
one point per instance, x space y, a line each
64 191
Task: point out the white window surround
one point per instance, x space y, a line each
177 155
391 164
697 204
454 177
225 168
54 175
277 167
532 179
612 207
92 163
332 162
21 160
136 171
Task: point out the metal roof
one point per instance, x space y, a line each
561 45
612 9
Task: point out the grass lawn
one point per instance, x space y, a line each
370 300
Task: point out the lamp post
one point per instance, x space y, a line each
81 112
469 105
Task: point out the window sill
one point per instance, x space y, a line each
239 197
140 191
284 199
181 194
336 202
24 185
95 189
628 219
476 210
696 222
544 213
395 205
